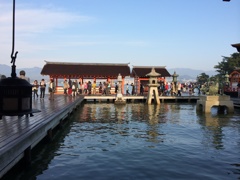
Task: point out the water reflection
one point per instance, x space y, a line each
213 125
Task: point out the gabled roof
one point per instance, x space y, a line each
142 71
85 70
237 46
236 71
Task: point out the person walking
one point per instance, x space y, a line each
35 89
42 89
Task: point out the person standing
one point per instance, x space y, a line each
42 88
65 87
104 88
22 74
51 89
141 89
100 87
127 90
94 85
74 88
133 89
238 89
166 89
35 88
116 88
85 87
89 87
179 86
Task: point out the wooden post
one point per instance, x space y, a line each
27 156
49 135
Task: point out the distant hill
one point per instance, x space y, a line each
33 73
185 74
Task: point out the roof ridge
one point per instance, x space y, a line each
80 63
149 66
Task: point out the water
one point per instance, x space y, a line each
139 141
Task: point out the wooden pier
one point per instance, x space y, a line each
18 135
133 98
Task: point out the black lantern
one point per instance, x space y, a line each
15 93
15 97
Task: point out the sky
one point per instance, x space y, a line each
173 33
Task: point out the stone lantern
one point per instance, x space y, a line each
119 98
174 76
153 87
226 78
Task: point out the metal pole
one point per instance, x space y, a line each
13 74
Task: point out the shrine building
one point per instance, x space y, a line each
100 71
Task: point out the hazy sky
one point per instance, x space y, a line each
173 33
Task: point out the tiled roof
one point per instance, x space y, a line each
85 70
142 71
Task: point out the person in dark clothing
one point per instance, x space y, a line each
116 88
133 89
42 88
141 89
89 88
127 90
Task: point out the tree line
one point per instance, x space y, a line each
225 67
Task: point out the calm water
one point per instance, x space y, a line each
139 141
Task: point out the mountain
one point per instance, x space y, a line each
185 74
33 73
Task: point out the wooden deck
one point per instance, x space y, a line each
133 98
18 135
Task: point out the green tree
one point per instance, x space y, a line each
202 78
228 64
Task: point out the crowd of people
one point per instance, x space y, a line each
176 89
75 87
